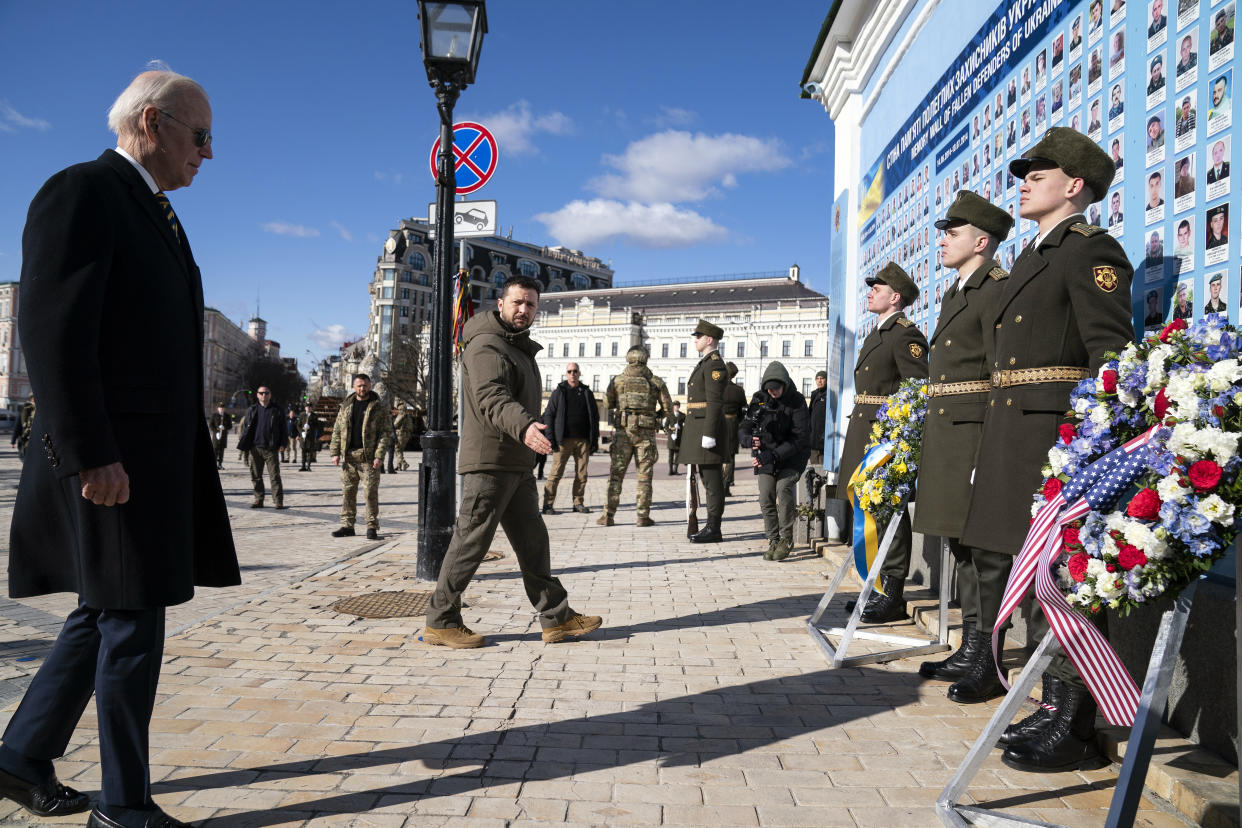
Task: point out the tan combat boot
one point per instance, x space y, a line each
576 627
459 638
605 520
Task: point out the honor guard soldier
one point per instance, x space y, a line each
673 424
734 402
705 440
961 369
1066 302
896 350
633 397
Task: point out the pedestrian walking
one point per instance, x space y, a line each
360 437
501 434
636 397
262 435
572 420
122 505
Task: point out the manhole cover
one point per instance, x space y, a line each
385 604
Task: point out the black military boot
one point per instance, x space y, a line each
953 667
1067 743
891 606
1033 725
710 533
980 682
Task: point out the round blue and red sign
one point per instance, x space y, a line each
475 155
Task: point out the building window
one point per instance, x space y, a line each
417 261
614 348
389 274
405 293
387 292
528 268
580 282
683 350
808 348
786 348
594 384
741 350
405 312
599 349
547 382
806 386
565 350
763 349
664 350
681 386
581 349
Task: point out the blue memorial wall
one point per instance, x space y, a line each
1151 82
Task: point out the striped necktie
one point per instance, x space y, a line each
169 214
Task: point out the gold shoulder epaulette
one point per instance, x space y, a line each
905 323
716 356
1088 230
998 273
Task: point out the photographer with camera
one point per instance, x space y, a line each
777 426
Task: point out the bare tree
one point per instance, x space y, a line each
405 374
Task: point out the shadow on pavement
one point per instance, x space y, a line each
680 732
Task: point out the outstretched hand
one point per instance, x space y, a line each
534 439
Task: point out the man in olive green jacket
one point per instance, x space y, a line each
500 435
360 438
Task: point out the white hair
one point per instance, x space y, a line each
158 86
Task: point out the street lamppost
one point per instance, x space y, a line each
451 38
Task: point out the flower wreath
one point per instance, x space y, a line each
899 425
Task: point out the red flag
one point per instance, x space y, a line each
463 309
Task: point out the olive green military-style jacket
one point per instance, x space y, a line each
962 348
705 412
896 350
376 427
1064 305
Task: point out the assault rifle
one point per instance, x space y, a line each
692 499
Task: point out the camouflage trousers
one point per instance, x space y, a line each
640 445
579 449
260 457
354 465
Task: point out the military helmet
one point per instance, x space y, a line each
636 355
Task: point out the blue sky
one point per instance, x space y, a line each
665 137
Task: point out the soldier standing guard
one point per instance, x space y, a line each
1066 302
960 365
894 351
704 441
221 422
734 402
309 426
673 424
632 397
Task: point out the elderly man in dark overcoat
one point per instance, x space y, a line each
1065 304
896 350
961 367
121 503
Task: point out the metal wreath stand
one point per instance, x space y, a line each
910 646
1129 790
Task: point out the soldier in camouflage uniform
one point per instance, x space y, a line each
632 397
404 425
360 437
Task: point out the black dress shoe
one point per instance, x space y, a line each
891 606
1067 742
708 534
1033 726
344 532
156 819
47 798
981 682
953 667
372 534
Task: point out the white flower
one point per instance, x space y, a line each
1110 586
1216 510
1100 415
1057 458
1184 440
1223 445
1140 534
1096 568
1182 394
1128 398
1156 372
1224 374
1171 490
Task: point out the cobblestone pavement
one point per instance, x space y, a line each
702 700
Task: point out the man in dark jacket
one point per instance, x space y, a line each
221 422
777 429
263 434
572 420
121 502
309 426
818 405
732 404
500 435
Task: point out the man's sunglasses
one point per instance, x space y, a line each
202 137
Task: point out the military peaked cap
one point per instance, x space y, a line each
970 208
1077 156
708 329
896 278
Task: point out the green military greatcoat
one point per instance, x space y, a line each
961 351
705 412
894 351
1064 305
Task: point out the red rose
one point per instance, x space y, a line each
1204 475
1161 403
1078 566
1130 557
1175 325
1069 538
1067 433
1052 487
1145 505
1218 410
1109 380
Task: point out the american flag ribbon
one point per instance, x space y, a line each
1095 488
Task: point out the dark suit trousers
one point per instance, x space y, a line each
897 561
116 654
712 475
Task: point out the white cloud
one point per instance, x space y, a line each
515 128
11 120
340 228
391 176
674 116
587 223
332 337
678 166
284 228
